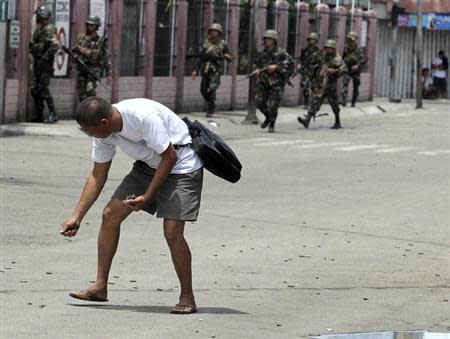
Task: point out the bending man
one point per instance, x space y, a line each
166 178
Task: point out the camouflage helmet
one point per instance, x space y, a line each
271 34
330 44
352 36
215 27
93 20
43 13
313 36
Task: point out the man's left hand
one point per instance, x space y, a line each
271 68
136 203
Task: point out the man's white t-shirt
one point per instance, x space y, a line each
148 129
438 73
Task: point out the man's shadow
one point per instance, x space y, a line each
156 309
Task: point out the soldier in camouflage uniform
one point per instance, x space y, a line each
354 60
209 64
273 65
332 67
42 49
93 50
310 59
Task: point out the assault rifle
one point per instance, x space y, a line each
82 64
264 69
322 80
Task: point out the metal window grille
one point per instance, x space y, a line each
333 25
194 33
244 27
271 22
164 39
131 37
292 30
221 16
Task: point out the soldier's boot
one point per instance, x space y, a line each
306 103
354 101
337 121
39 110
305 120
52 117
265 123
344 100
39 116
272 127
210 109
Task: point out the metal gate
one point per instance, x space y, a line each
405 82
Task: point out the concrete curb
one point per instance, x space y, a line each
38 130
227 119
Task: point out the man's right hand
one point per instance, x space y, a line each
194 74
70 227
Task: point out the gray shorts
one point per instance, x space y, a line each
178 198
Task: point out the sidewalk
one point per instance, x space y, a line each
232 119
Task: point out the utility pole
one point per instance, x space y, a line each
419 43
393 57
251 117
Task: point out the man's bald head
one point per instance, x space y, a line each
91 110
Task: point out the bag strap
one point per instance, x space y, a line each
194 131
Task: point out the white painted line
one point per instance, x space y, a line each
254 139
324 144
360 147
435 152
396 149
283 142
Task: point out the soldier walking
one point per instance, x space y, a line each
42 49
209 64
93 51
354 60
310 59
273 66
332 67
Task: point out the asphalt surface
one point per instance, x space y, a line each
327 232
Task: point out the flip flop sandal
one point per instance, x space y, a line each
83 295
184 309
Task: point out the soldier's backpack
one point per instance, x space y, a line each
217 156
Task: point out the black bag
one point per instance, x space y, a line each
217 156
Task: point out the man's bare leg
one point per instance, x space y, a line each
108 238
181 257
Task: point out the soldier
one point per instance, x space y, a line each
93 51
310 59
42 49
213 51
332 67
273 66
354 60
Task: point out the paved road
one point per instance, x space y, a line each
328 230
